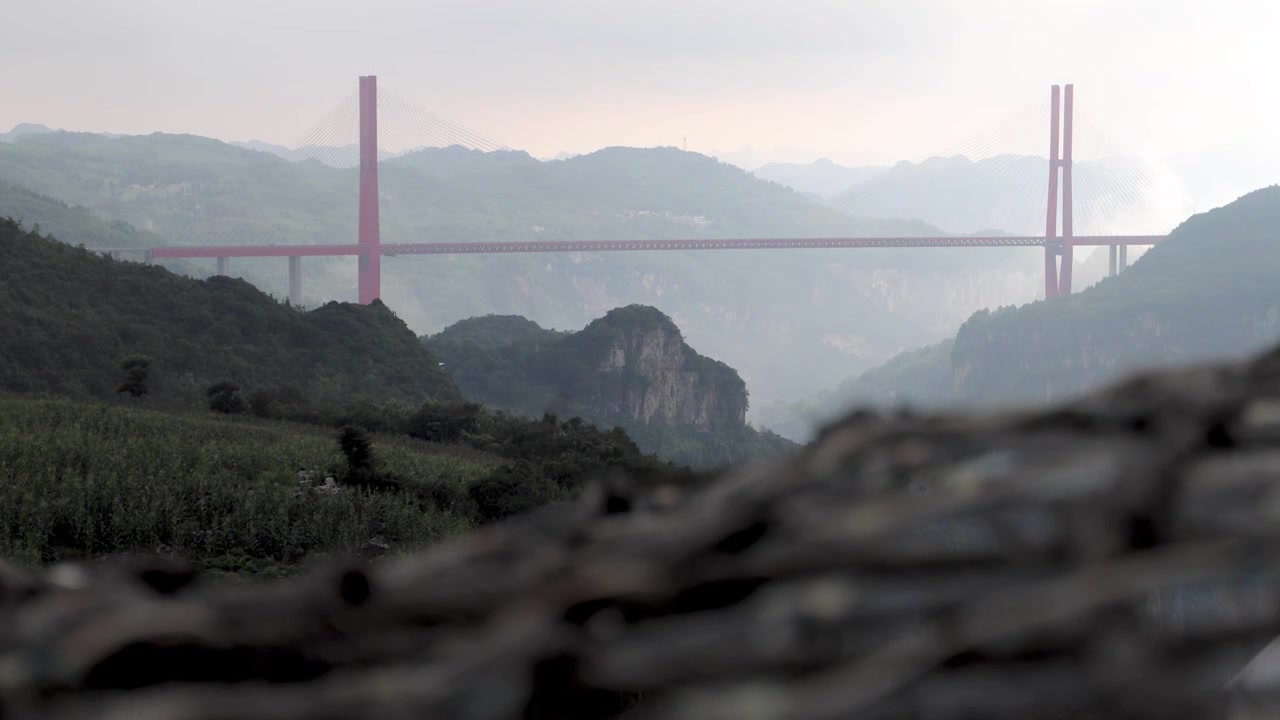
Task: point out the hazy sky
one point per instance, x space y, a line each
792 79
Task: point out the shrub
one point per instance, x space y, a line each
136 370
356 448
224 397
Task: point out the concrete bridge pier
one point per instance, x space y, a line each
1119 259
295 280
224 264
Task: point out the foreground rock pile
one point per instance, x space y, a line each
1117 557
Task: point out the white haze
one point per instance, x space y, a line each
859 82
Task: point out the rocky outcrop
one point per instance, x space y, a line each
649 375
630 369
631 366
1115 557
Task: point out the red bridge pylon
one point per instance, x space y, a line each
1057 280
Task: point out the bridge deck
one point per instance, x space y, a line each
462 248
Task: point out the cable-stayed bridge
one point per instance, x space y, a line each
410 127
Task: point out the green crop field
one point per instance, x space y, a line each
84 480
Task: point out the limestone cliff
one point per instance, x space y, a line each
630 368
645 372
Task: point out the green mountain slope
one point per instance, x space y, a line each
82 477
1207 292
849 309
74 225
70 316
630 368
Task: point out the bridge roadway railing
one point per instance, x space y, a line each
295 253
535 246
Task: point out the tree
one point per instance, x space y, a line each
356 448
136 370
224 397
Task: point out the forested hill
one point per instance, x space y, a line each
70 318
1207 292
76 225
852 309
630 368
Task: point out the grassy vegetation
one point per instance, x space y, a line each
1206 293
85 479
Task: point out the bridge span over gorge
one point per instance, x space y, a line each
1058 240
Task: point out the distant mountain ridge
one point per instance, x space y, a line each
1008 192
822 178
850 309
449 158
22 130
456 159
562 155
335 156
